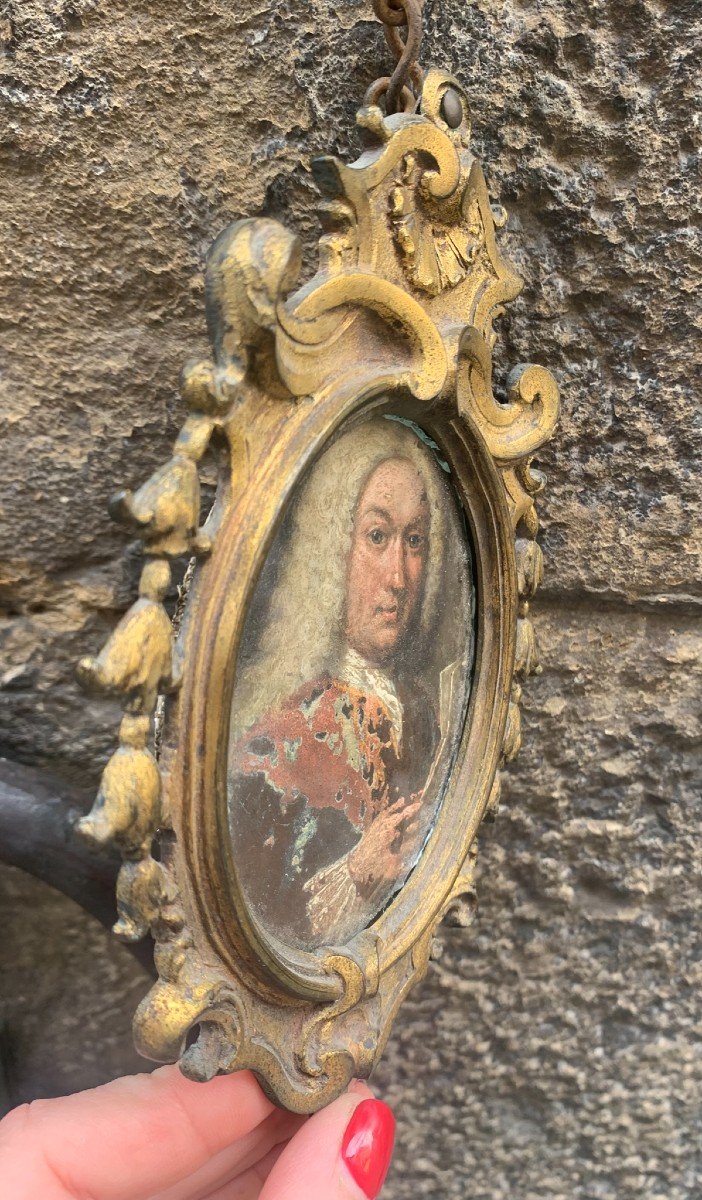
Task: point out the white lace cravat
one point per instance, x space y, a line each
369 678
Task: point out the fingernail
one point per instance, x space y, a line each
367 1145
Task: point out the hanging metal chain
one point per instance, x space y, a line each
402 88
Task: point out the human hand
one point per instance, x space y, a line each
373 861
162 1137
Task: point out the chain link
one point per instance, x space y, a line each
402 88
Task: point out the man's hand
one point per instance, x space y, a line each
161 1137
373 861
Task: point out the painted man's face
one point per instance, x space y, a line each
387 560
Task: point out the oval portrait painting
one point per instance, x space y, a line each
351 686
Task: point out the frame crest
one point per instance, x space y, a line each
399 312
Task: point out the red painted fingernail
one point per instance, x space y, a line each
367 1145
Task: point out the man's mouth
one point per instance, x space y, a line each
389 613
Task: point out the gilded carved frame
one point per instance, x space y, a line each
399 315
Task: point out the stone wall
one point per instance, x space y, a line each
552 1050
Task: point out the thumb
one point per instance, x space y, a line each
341 1153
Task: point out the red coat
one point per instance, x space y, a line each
307 780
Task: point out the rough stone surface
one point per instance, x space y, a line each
554 1049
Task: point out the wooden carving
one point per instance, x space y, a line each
397 322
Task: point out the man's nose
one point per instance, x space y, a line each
395 565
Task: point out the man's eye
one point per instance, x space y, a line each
415 540
377 537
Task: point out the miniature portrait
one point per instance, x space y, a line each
351 686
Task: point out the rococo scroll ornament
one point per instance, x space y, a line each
344 685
